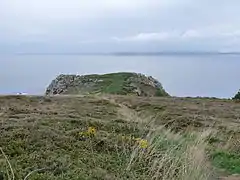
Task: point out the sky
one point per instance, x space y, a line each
53 26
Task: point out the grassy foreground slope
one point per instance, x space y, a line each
118 137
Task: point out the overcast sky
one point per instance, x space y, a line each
119 25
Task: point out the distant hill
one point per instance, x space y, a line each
122 83
162 53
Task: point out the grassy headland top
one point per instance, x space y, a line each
122 83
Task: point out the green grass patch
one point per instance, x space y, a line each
114 83
161 92
227 161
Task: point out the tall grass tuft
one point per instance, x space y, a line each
170 156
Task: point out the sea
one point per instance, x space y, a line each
189 75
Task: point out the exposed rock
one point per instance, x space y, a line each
115 83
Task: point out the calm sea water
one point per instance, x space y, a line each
185 75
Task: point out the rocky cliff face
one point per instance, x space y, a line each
115 83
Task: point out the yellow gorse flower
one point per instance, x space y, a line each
143 143
91 131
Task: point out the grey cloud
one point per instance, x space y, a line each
118 25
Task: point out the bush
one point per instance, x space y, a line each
237 96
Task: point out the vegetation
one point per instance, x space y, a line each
114 83
227 160
237 96
117 137
122 83
161 93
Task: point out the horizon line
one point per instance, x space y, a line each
129 53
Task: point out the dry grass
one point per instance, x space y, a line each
9 165
167 158
40 137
